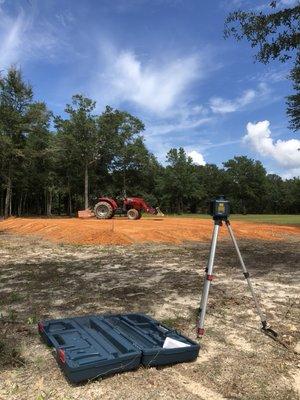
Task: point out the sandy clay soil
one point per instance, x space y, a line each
40 279
124 231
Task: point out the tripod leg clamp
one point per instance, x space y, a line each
200 332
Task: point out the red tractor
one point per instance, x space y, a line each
107 207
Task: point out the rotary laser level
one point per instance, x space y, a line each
219 210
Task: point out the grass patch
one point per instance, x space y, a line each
10 355
278 219
173 323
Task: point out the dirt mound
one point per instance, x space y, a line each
123 231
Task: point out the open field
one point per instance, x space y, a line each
147 230
40 279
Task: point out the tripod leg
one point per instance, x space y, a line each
211 251
247 276
207 279
204 284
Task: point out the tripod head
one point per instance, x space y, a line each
219 209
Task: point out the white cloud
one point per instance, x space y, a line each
182 118
11 32
285 152
291 173
65 18
211 145
177 126
248 4
223 106
288 3
220 105
197 157
154 87
25 37
271 75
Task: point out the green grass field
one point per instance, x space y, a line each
279 219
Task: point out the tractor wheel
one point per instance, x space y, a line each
103 210
133 214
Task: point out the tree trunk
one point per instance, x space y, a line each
59 203
48 202
244 207
70 202
86 187
24 203
7 206
178 206
45 201
10 203
38 207
124 183
20 205
2 204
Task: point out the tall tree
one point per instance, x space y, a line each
274 196
247 183
179 185
84 140
277 36
290 202
214 181
67 167
15 100
293 101
128 144
39 180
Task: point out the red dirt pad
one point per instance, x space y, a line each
124 231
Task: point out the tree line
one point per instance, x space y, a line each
54 165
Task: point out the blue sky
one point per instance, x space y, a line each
166 62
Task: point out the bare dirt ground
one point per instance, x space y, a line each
40 279
124 231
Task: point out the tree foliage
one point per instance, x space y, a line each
247 179
293 101
276 35
45 172
179 183
15 122
82 135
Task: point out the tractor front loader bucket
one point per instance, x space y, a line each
85 213
159 212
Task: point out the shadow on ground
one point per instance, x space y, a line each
40 280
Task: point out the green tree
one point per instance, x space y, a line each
80 132
274 194
179 184
15 101
39 178
293 101
276 35
67 167
246 183
290 202
130 151
108 145
214 181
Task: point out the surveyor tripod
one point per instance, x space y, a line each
218 222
